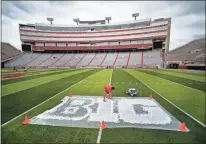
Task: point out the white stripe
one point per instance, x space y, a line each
110 82
172 103
99 135
100 130
45 101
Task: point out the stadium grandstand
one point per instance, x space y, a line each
191 55
94 44
8 52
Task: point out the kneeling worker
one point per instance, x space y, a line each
108 91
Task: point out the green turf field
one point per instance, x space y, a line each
33 95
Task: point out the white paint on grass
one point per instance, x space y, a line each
100 130
99 136
105 111
110 81
131 112
154 115
171 103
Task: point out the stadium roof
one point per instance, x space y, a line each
109 24
92 22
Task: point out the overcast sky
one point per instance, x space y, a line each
188 17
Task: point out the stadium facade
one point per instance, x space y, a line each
138 43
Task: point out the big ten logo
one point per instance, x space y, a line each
138 111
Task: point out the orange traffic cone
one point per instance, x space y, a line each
150 96
70 95
103 125
183 128
26 120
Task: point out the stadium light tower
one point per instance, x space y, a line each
108 18
50 19
135 15
76 20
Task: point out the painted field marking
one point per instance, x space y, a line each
100 130
46 100
172 103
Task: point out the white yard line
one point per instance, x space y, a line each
46 100
110 82
172 103
99 136
100 130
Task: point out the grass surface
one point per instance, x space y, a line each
15 132
187 72
183 81
192 76
17 103
133 135
42 74
92 84
11 71
190 100
19 86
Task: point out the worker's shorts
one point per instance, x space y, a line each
107 92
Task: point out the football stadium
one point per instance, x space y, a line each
53 90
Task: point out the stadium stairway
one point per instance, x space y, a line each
69 59
91 60
115 59
128 59
53 64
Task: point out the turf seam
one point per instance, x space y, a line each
171 102
46 100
